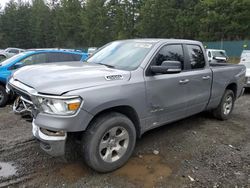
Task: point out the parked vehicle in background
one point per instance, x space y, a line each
9 52
125 89
245 56
32 57
217 56
91 50
247 65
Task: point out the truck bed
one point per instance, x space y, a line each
223 74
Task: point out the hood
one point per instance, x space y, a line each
59 78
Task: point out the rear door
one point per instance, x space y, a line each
166 93
200 79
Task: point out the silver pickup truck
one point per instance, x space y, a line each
125 89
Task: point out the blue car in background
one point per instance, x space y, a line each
32 57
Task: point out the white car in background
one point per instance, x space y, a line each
247 64
8 52
216 56
245 56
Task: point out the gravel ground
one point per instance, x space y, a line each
195 152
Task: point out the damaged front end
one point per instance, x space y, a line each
22 106
51 141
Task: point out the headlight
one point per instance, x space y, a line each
58 106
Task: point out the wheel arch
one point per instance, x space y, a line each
3 55
233 87
126 110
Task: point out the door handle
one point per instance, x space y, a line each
206 77
184 81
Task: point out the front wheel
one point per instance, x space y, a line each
109 142
3 96
225 108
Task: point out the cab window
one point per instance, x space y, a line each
173 52
196 57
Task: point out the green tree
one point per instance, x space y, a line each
41 25
15 24
68 23
96 23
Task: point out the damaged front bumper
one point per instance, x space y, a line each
51 142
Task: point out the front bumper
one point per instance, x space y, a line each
53 145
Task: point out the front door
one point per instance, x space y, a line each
166 93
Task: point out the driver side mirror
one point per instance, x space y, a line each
167 67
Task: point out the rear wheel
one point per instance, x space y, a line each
3 96
225 108
109 142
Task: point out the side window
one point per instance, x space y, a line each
35 59
196 57
77 57
14 51
172 52
60 57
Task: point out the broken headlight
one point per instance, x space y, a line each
57 105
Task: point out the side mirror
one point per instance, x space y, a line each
167 67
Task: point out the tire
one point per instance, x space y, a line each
223 112
115 131
3 96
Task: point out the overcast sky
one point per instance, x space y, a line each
3 2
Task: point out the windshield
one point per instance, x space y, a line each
11 59
219 53
125 55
